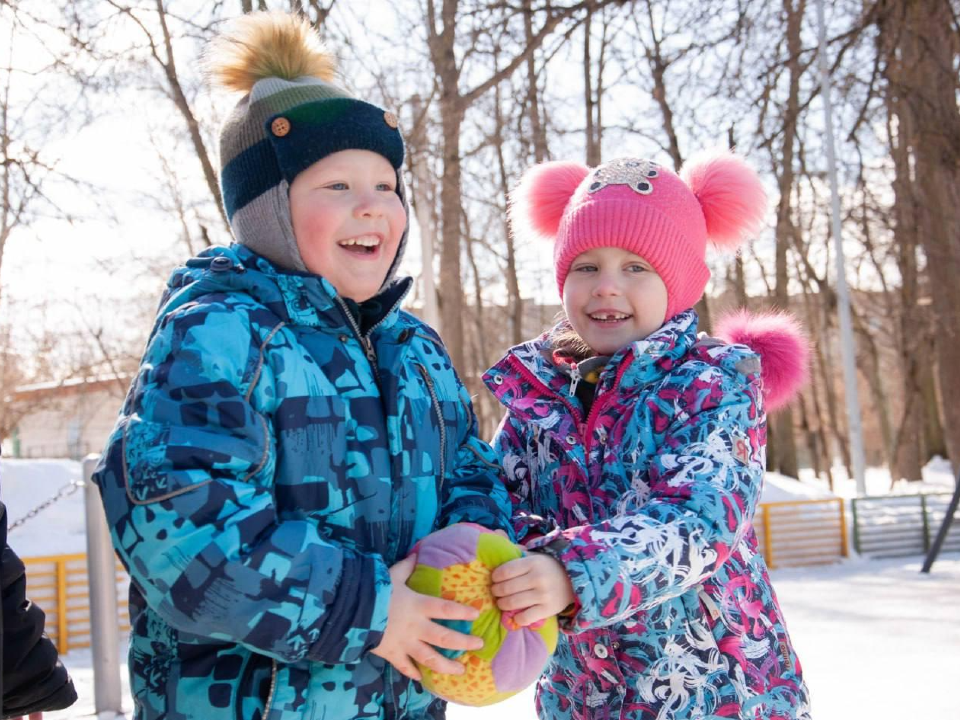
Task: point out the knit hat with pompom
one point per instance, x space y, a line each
644 208
291 115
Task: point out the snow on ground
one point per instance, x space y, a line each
25 484
877 639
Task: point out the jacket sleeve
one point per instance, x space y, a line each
186 481
472 491
510 445
34 679
705 480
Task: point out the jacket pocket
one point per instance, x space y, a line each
161 461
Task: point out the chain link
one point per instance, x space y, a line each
63 492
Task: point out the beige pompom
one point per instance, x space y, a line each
267 44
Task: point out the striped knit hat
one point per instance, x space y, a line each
291 116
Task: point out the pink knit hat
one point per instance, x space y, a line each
645 208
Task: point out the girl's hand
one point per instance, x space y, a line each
536 584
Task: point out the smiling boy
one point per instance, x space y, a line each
292 433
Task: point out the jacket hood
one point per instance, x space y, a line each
632 368
295 297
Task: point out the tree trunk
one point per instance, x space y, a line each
514 301
537 130
422 200
932 95
451 286
905 462
183 106
786 448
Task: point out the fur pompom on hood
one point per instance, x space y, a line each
783 348
267 44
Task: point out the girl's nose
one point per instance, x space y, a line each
606 285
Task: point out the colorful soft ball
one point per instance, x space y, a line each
456 563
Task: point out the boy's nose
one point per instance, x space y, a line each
368 205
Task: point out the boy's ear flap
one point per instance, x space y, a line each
537 204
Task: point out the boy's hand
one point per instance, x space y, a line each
411 631
536 584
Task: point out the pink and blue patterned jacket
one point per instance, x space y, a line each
652 497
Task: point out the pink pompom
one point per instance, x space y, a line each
730 193
782 346
538 202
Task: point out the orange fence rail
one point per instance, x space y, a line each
802 532
59 585
790 534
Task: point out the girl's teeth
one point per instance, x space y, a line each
609 317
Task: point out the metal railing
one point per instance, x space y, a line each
899 525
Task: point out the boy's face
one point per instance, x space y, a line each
348 220
612 298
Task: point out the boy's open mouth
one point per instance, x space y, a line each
361 245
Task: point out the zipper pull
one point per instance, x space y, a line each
575 378
368 350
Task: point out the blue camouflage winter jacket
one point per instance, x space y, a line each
269 464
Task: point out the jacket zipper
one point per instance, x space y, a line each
596 409
585 428
365 342
273 688
443 429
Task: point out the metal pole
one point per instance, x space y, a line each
102 574
847 346
944 529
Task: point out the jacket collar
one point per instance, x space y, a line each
630 369
297 298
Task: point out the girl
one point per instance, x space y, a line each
633 450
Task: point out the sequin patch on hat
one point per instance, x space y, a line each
638 174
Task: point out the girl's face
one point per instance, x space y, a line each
612 298
348 220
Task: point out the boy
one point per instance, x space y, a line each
292 433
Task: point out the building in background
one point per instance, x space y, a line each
67 419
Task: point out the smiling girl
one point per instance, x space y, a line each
634 452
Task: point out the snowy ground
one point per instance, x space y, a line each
877 639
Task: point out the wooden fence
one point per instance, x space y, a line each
802 532
59 585
790 534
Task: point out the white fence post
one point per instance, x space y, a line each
104 622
